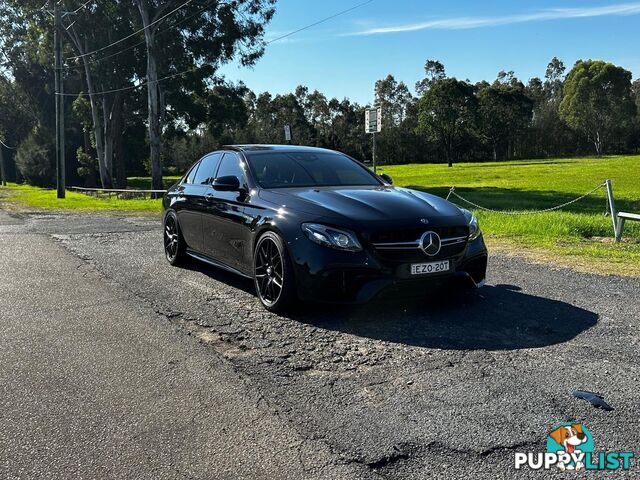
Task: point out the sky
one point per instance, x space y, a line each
344 56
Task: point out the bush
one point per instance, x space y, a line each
35 159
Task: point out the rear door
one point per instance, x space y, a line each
225 226
195 187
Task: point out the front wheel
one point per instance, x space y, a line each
273 275
174 245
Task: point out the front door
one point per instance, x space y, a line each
194 189
225 227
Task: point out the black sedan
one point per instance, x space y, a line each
314 224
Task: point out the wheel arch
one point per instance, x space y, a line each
264 228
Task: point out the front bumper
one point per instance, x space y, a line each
328 275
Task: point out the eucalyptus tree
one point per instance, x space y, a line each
433 71
26 80
448 114
27 27
395 99
196 41
109 73
505 112
598 101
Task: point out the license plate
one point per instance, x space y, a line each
427 268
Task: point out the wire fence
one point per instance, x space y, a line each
125 194
452 192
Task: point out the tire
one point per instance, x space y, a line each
175 247
273 274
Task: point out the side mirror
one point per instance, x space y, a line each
387 178
229 183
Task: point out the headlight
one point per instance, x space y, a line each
331 237
474 227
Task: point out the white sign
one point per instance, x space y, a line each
373 120
287 133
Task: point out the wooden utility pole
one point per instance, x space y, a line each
59 98
2 174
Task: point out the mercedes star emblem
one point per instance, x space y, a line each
430 243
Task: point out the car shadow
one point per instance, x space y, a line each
499 317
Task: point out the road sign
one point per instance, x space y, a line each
373 120
287 133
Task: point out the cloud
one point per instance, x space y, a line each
462 23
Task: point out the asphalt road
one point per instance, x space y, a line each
116 365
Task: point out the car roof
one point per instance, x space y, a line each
276 148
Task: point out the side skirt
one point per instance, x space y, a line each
216 263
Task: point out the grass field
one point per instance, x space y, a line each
26 196
580 235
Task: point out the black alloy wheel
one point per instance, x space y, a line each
174 248
272 274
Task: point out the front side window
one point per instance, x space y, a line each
207 169
308 169
231 166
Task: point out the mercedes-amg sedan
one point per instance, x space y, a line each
314 224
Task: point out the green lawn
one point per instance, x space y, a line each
579 235
46 199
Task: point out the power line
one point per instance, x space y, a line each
142 42
133 87
133 34
7 146
319 22
81 7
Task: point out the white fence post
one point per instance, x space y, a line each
612 208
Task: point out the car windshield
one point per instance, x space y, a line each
308 169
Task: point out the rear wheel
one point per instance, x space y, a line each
174 245
273 274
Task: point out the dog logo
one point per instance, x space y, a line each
570 446
572 438
430 243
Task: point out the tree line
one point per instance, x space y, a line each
154 102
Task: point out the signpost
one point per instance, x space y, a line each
373 125
287 133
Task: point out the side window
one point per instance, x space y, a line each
192 173
206 171
230 165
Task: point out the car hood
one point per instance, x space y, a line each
367 204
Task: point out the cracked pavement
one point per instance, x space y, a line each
185 360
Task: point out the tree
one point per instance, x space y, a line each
27 31
34 158
434 71
395 99
109 74
549 134
198 37
598 101
505 112
448 114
